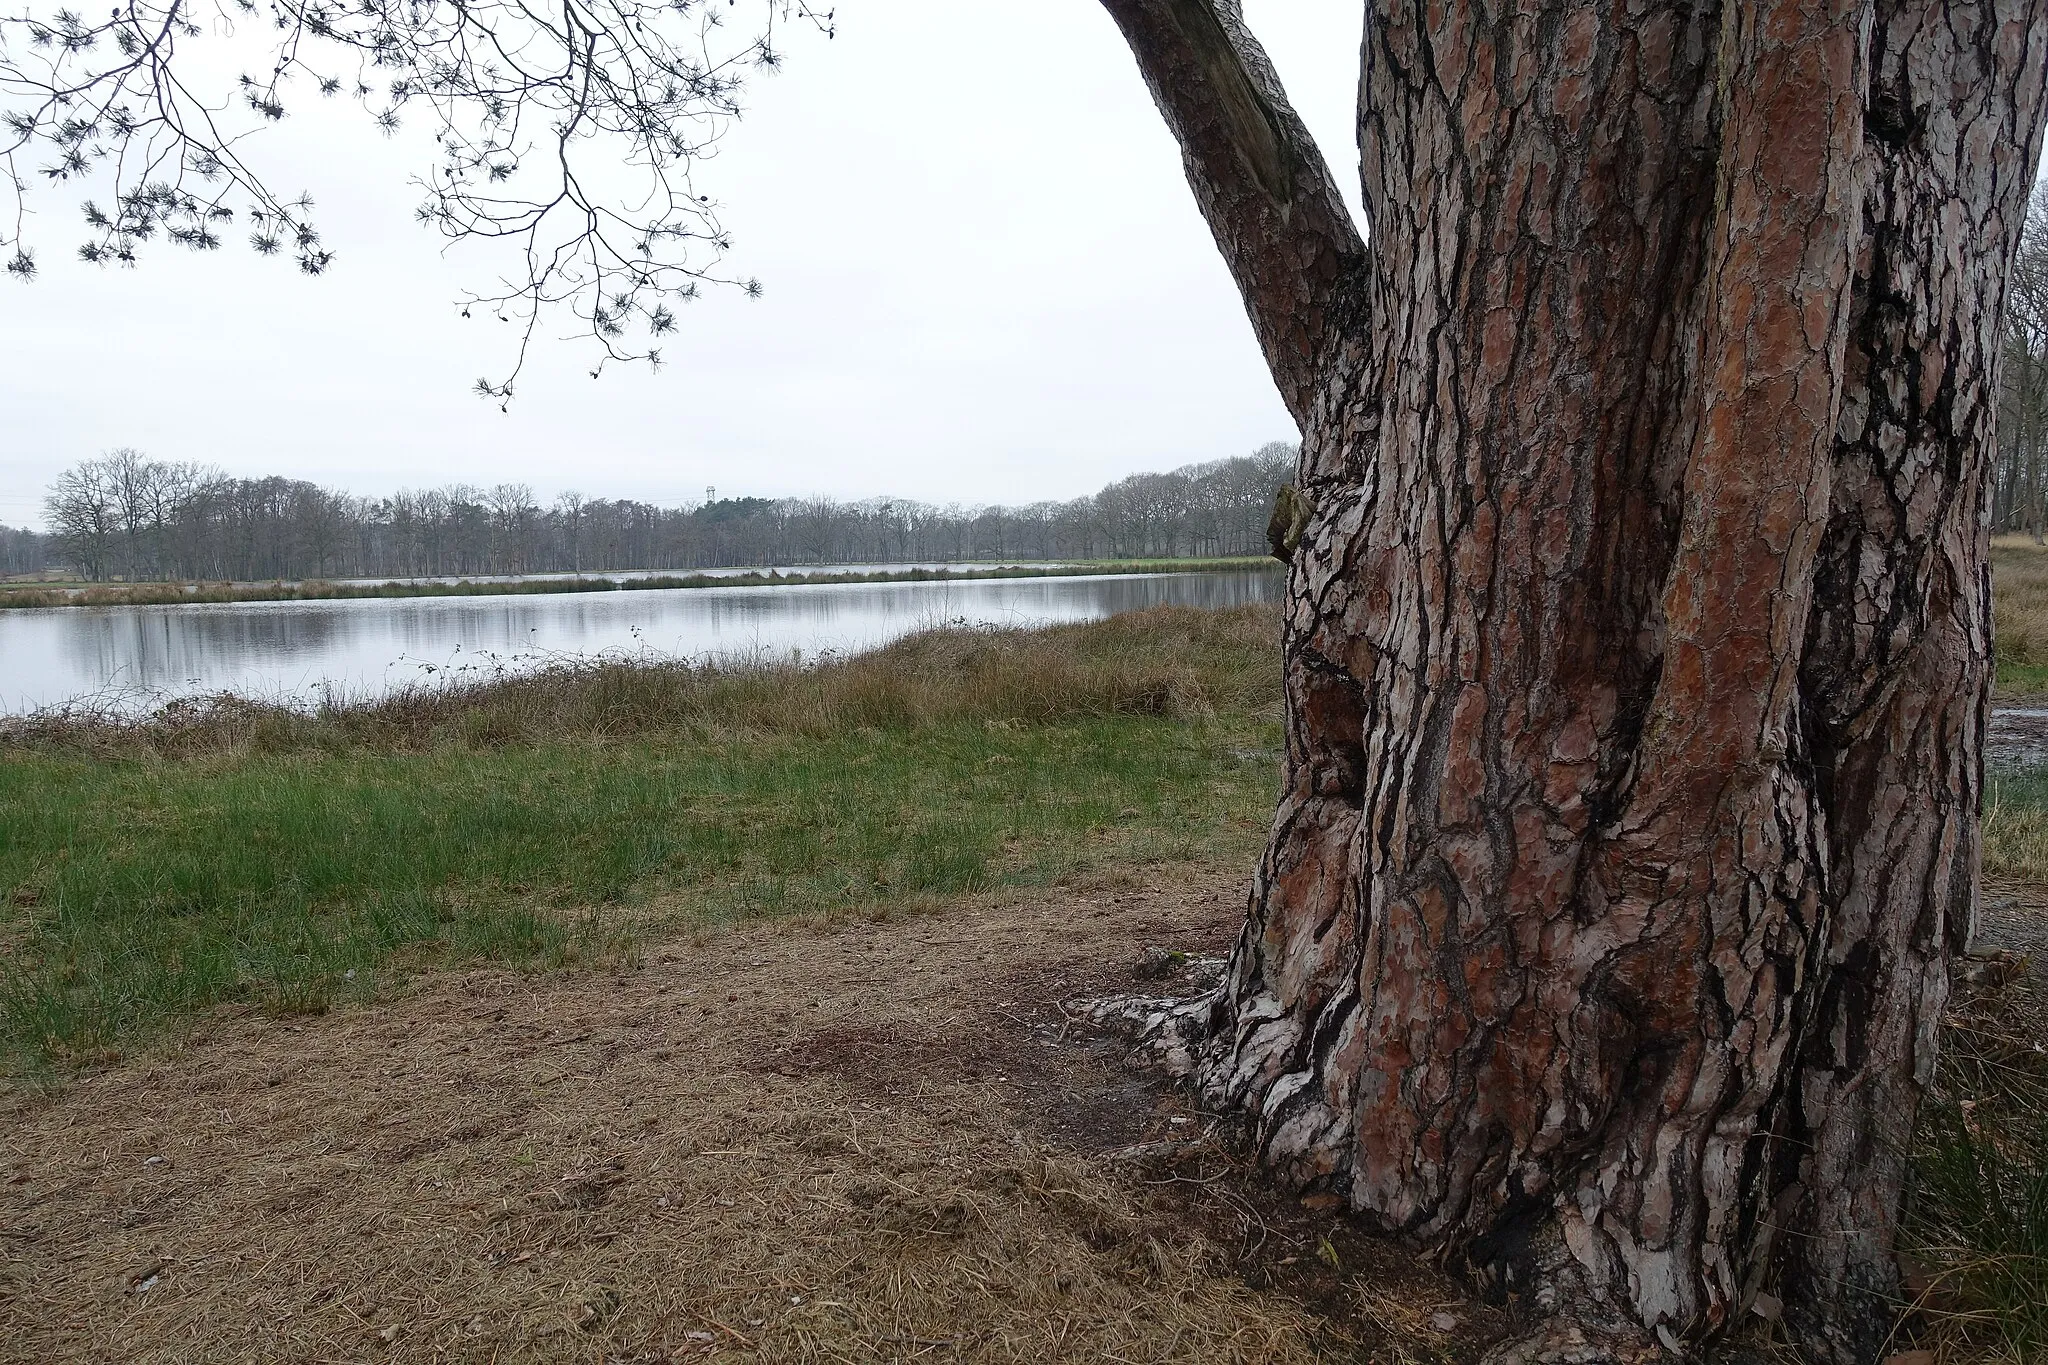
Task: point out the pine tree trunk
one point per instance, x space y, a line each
1638 640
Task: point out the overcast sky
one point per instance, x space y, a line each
985 281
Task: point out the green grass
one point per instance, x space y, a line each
2022 680
152 870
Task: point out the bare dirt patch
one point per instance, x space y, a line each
883 1141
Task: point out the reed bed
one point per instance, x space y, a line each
1169 661
320 590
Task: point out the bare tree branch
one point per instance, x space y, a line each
568 128
1260 181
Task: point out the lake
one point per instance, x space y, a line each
299 652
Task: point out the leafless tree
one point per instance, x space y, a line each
2020 491
125 515
569 509
83 511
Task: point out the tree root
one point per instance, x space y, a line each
1573 1341
1166 1032
1173 1033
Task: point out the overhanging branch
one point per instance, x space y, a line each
1258 176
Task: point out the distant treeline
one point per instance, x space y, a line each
2019 470
125 516
23 551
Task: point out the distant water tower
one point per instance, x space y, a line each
710 496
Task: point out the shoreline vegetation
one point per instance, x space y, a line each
25 596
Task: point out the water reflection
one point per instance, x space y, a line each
297 650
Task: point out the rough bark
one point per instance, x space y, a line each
1637 642
1897 666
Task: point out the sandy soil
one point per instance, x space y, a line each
876 1141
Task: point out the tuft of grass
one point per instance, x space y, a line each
1977 1212
230 852
2016 824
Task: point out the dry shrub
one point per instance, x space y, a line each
1171 661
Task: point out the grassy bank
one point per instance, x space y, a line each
229 850
173 594
235 852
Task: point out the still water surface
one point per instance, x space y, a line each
301 651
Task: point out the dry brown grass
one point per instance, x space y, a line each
2015 839
1976 1232
869 1143
2019 609
1178 661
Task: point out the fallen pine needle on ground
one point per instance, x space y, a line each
877 1141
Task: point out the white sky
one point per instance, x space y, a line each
986 281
